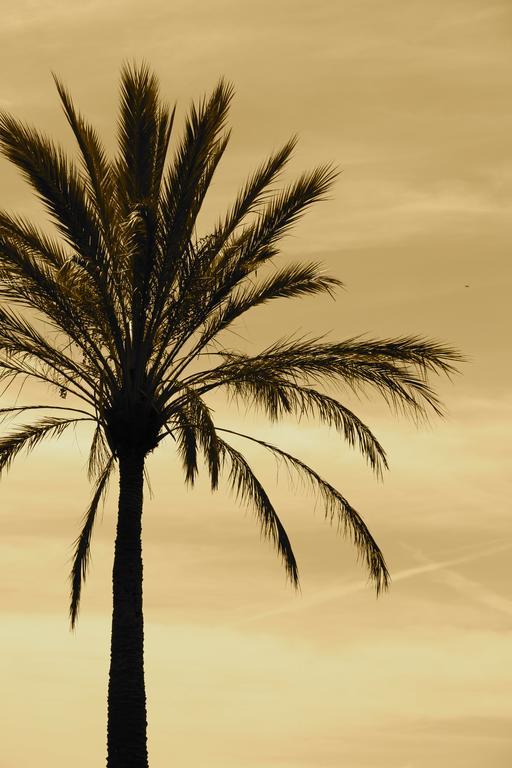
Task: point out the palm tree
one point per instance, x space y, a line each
127 310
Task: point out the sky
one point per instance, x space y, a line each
410 100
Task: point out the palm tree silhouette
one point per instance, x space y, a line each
137 305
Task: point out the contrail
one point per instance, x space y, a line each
472 590
335 592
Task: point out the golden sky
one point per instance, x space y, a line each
412 101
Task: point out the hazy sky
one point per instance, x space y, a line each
412 101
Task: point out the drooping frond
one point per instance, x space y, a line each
82 544
186 436
18 337
248 488
278 398
336 508
98 453
192 423
26 437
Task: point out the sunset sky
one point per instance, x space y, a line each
411 100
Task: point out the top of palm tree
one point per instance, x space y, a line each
132 300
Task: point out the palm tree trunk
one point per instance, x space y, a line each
126 729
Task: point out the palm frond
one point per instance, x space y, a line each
186 443
218 275
145 126
165 123
12 368
16 410
257 244
47 248
248 489
26 437
189 175
20 338
30 280
191 419
254 193
336 508
81 556
98 173
56 182
143 134
396 369
63 295
277 398
98 453
289 282
61 190
426 355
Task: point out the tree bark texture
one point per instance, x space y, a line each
127 723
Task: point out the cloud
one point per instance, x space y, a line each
269 701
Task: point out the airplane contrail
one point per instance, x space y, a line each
334 592
472 590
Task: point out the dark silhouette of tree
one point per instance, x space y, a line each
134 308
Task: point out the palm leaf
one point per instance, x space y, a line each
278 398
60 188
98 453
82 544
254 192
11 369
187 443
336 507
188 178
20 338
26 437
143 136
16 410
248 489
395 369
98 172
39 243
62 295
195 427
257 243
289 282
246 253
56 182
